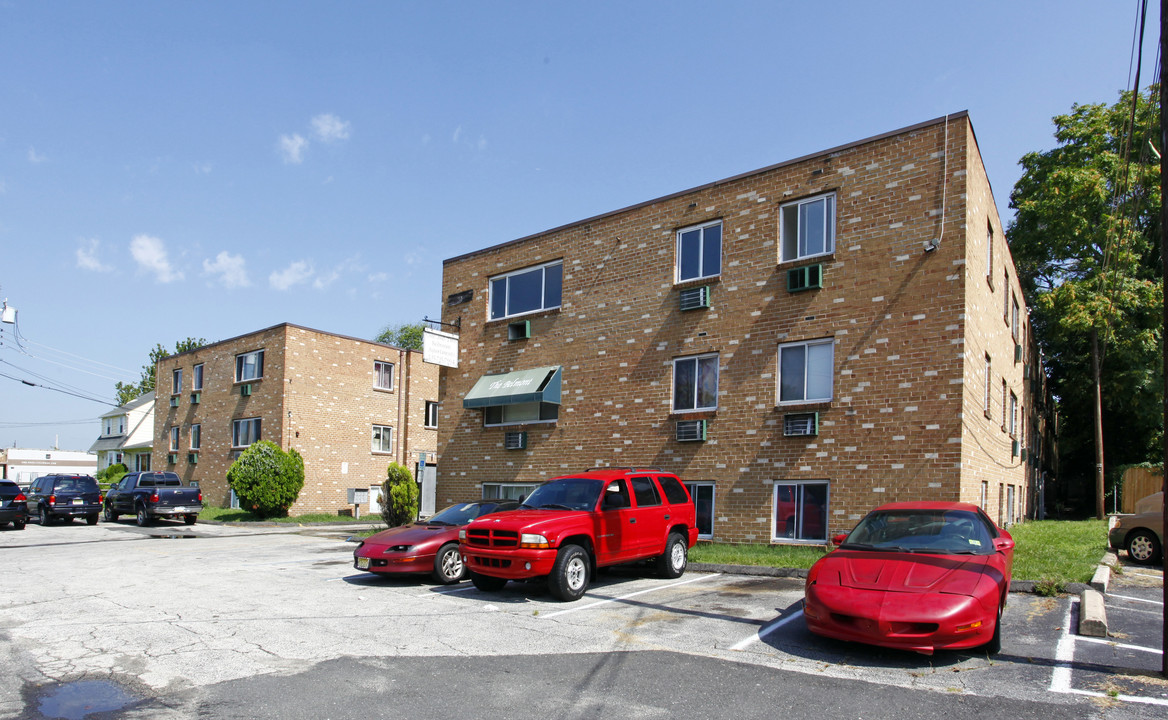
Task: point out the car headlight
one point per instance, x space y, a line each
531 540
397 548
462 535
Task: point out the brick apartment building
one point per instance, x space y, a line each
349 406
799 343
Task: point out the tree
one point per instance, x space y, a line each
406 336
400 496
1085 241
128 391
266 479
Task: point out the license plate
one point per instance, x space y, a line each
180 509
362 563
78 501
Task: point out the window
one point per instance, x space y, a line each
1014 319
695 383
1006 296
1011 516
197 378
645 492
196 436
988 385
518 413
990 257
382 375
699 251
174 439
382 439
108 428
807 228
985 491
249 366
142 462
244 432
805 371
506 491
1013 417
1005 398
527 290
431 414
703 500
800 511
121 425
176 382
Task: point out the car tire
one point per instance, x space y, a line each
44 514
110 515
672 562
19 524
486 583
142 517
190 519
91 519
1143 547
994 646
448 565
571 573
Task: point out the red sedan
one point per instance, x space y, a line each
427 546
919 576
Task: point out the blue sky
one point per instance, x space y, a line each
208 169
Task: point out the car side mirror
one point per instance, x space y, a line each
838 540
1002 544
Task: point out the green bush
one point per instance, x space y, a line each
400 496
110 475
266 479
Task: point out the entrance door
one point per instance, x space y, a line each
429 480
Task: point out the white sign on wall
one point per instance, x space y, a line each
440 348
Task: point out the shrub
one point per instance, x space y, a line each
400 493
110 475
266 479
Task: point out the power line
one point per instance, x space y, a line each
66 392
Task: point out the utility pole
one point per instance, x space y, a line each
1164 324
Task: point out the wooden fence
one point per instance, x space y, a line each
1138 483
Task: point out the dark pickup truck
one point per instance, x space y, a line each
150 495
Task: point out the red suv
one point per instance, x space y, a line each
572 525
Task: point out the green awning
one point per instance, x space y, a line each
522 386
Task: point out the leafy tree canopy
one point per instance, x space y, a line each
406 336
128 391
266 479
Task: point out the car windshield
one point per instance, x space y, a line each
459 514
566 494
942 532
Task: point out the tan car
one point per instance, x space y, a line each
1141 534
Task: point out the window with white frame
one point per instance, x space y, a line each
431 414
695 383
1006 296
699 251
990 256
244 432
249 366
176 381
528 290
142 462
108 427
196 436
174 439
988 386
800 511
807 227
382 375
1013 418
805 371
1014 312
506 491
1005 410
382 439
702 494
197 378
985 492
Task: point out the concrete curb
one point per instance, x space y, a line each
1092 614
756 570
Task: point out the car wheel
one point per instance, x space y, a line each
1143 547
994 646
18 524
91 519
44 513
672 562
110 515
448 566
142 517
570 574
486 583
190 519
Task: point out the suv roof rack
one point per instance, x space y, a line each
627 468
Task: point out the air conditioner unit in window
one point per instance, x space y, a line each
691 430
1017 353
695 298
519 330
196 397
172 458
1015 447
808 277
515 441
245 390
801 424
193 458
174 401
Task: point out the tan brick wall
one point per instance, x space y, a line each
317 395
894 428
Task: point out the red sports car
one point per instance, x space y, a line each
427 546
919 576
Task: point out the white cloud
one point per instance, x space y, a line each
323 281
295 274
150 254
378 277
34 157
202 168
87 257
457 134
292 148
330 128
230 269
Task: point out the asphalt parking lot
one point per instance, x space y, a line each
207 621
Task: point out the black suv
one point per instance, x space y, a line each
66 497
12 505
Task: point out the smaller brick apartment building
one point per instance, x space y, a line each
348 406
799 343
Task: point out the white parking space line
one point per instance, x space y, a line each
1136 599
763 632
1101 641
626 597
